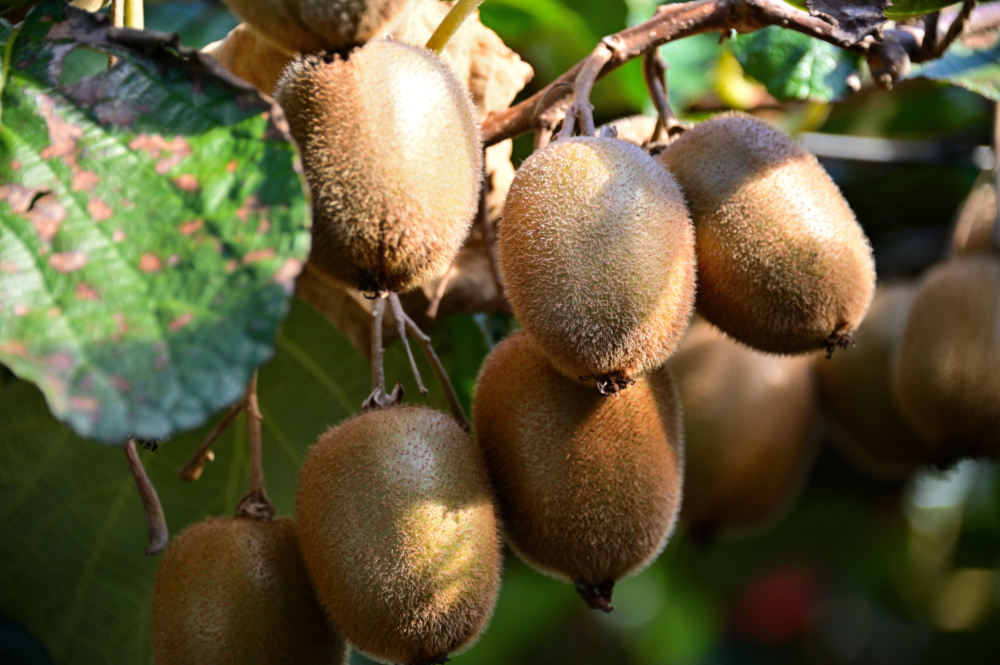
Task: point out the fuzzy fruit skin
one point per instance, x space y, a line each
589 486
597 256
856 391
398 530
947 371
750 425
391 149
235 591
315 25
783 266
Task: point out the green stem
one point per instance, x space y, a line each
8 49
134 14
451 23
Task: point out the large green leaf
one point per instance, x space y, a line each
794 66
152 222
72 534
978 71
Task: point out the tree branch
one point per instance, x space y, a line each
673 22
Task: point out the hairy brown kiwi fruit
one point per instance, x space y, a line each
947 370
749 428
976 221
392 152
856 392
316 25
783 266
588 486
236 591
597 256
398 530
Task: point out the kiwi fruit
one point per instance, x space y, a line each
596 251
750 432
392 153
399 533
236 591
947 370
588 486
856 393
315 25
783 265
974 228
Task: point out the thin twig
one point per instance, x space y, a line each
379 398
440 290
255 503
398 314
581 108
655 72
196 463
955 29
156 522
449 390
490 240
451 23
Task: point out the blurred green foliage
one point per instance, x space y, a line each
859 572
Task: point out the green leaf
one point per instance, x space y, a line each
794 66
977 71
152 223
72 532
899 8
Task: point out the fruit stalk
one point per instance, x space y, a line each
379 397
196 463
457 412
581 108
255 504
451 23
654 70
397 311
156 522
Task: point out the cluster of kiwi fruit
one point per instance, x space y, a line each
608 246
924 387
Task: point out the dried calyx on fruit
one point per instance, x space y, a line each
314 25
588 487
947 370
856 391
597 255
749 428
235 591
783 265
391 149
398 530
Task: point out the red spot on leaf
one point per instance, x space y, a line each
14 348
149 262
173 260
251 205
287 273
231 265
6 266
68 261
54 312
84 181
85 404
118 235
186 182
195 225
21 309
99 210
264 226
181 321
259 255
121 326
85 291
15 165
231 166
63 136
120 382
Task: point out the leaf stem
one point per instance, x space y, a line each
255 504
451 23
196 464
156 522
442 376
134 14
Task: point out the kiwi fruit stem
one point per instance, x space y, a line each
654 70
156 522
581 109
196 463
451 23
255 504
597 596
